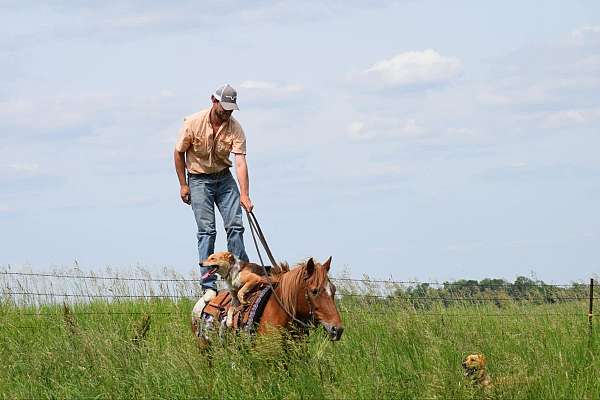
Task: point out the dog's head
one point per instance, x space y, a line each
474 365
220 263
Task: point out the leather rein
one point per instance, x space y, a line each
256 231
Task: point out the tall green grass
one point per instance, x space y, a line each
388 350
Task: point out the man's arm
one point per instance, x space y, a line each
241 169
184 189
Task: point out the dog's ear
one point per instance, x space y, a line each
327 264
310 268
482 360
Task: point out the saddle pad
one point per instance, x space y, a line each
256 310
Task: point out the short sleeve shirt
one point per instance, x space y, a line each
207 152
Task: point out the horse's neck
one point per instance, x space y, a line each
299 308
279 313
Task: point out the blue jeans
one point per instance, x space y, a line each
206 190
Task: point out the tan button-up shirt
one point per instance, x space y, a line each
207 152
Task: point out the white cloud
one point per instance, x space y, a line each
573 119
271 87
257 85
458 131
128 21
26 168
462 134
585 35
267 94
384 169
76 110
560 75
409 127
357 131
20 169
134 21
566 118
413 68
382 127
518 164
55 111
521 93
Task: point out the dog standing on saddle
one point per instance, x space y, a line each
240 277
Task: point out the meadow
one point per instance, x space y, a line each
141 347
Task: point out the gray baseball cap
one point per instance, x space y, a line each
227 96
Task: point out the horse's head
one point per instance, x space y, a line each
320 297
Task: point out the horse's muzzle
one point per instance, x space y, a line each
335 332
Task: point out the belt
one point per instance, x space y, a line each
213 175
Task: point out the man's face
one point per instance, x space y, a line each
220 111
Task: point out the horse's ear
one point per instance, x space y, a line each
327 264
310 268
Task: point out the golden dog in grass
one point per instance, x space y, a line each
240 277
474 366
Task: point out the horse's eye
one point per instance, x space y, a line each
315 292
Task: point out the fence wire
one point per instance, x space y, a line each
57 319
32 289
364 296
334 279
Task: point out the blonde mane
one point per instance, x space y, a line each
291 280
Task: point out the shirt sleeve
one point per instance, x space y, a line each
185 139
239 141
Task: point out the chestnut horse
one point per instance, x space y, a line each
302 295
307 294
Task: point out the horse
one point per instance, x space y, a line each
301 296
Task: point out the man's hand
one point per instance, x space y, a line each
241 169
246 203
184 192
184 189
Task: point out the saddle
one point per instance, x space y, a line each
246 317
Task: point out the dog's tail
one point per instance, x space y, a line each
279 269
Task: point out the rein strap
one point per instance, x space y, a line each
256 231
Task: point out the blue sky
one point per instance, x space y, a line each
411 139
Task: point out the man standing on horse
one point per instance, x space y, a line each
205 142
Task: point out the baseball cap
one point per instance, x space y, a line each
227 96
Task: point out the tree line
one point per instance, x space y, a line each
497 291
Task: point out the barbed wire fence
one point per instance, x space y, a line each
32 293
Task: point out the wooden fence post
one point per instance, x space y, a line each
591 310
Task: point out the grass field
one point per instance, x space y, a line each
388 350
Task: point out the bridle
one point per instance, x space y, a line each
312 320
